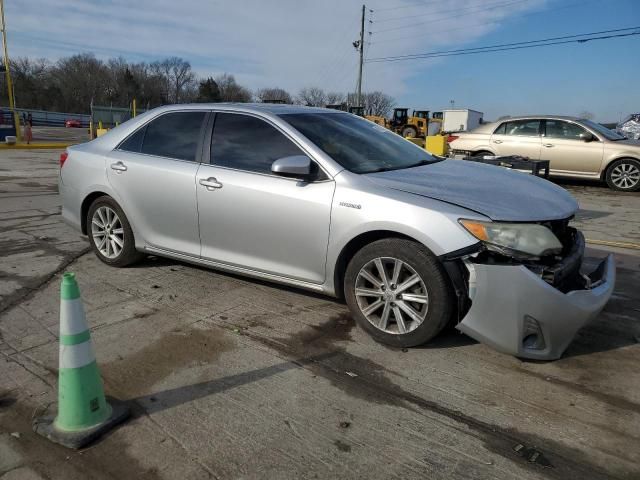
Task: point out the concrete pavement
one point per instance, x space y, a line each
234 378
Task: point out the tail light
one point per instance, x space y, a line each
451 138
63 158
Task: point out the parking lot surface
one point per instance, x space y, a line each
237 378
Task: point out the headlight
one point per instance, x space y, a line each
529 238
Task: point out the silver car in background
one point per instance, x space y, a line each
576 148
330 202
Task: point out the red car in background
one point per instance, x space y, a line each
72 123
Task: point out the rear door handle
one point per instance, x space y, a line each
497 141
211 183
119 167
548 145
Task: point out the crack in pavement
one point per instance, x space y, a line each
25 292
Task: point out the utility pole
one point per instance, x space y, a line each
12 104
361 48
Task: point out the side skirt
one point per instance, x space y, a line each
240 270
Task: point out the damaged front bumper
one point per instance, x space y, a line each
516 311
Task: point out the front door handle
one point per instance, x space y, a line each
548 145
119 167
211 183
497 141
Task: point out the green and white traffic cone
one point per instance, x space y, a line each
83 412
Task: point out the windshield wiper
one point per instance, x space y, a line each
419 164
382 169
426 162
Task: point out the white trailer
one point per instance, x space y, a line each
460 120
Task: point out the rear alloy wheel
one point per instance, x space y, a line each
398 292
110 234
624 175
483 153
107 232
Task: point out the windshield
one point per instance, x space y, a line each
358 145
602 130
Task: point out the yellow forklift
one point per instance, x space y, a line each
414 126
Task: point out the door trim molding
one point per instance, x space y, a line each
235 269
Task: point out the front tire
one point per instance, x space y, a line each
110 233
398 292
409 132
624 175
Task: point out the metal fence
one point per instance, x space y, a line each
109 116
43 117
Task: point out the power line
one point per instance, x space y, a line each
448 10
402 6
483 9
514 46
481 24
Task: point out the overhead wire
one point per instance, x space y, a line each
516 45
399 7
457 15
338 59
481 24
448 10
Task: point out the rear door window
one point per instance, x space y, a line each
172 135
522 128
247 143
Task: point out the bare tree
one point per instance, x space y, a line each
312 97
230 90
279 95
378 103
208 91
178 78
31 79
334 98
80 79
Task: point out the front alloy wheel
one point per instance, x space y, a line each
391 295
398 292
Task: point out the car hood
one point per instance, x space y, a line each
627 142
496 192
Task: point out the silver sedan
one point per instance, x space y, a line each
328 201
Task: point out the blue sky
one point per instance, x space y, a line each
298 43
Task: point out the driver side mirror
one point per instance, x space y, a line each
296 166
587 137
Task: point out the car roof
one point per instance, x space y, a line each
536 117
272 108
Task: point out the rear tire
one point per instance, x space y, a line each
409 132
483 153
110 233
624 175
389 310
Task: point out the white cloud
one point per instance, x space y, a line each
285 43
